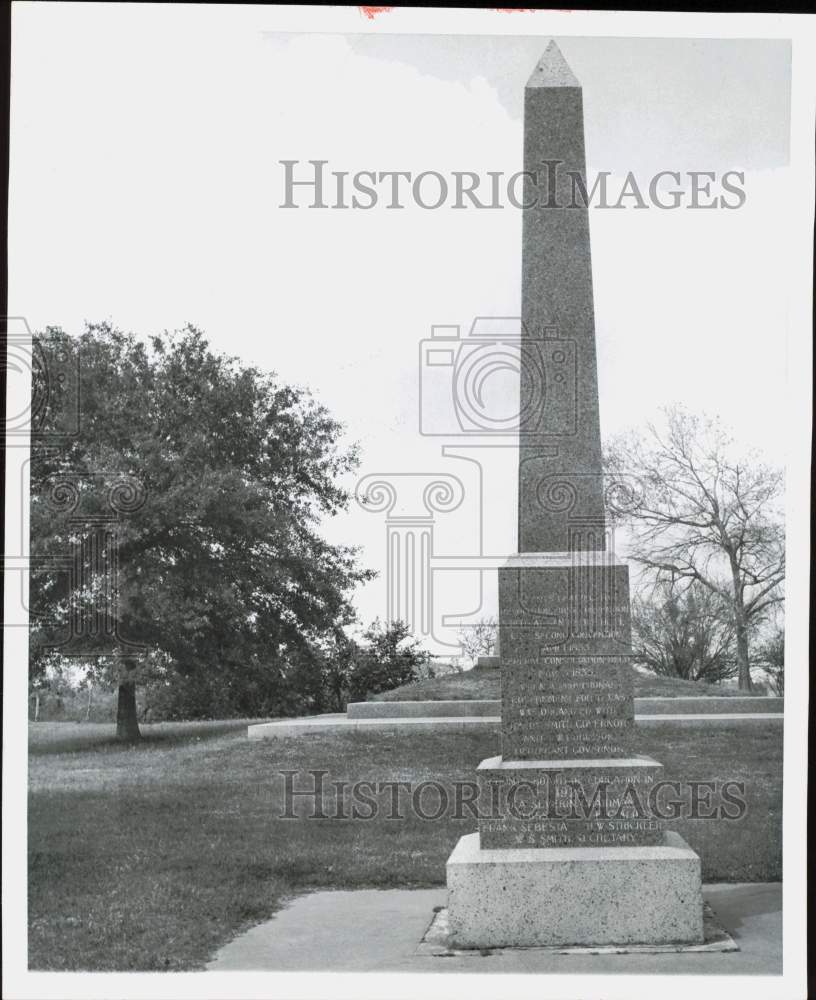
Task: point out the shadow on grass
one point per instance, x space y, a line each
77 737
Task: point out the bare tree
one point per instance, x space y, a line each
478 639
684 633
704 514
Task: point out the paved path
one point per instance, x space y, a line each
340 723
380 930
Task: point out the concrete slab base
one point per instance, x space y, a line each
534 897
366 930
437 942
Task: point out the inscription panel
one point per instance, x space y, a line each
548 606
567 697
564 706
545 807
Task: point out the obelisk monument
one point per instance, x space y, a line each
572 849
560 433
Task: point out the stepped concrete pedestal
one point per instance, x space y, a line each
492 662
535 897
422 709
570 849
645 708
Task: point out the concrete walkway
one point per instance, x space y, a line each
321 724
380 930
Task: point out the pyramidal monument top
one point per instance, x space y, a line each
552 70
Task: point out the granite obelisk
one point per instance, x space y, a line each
560 434
573 848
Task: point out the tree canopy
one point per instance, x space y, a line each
222 571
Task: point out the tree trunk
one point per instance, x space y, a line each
744 677
88 706
744 682
127 724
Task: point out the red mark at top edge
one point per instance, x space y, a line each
372 12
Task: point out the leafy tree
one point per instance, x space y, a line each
684 633
222 573
339 668
704 514
47 678
338 658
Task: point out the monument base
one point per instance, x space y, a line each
532 897
590 802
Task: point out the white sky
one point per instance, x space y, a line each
145 188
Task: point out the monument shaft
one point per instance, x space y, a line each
560 439
564 600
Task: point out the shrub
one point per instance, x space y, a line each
390 658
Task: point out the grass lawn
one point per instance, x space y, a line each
150 858
485 683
